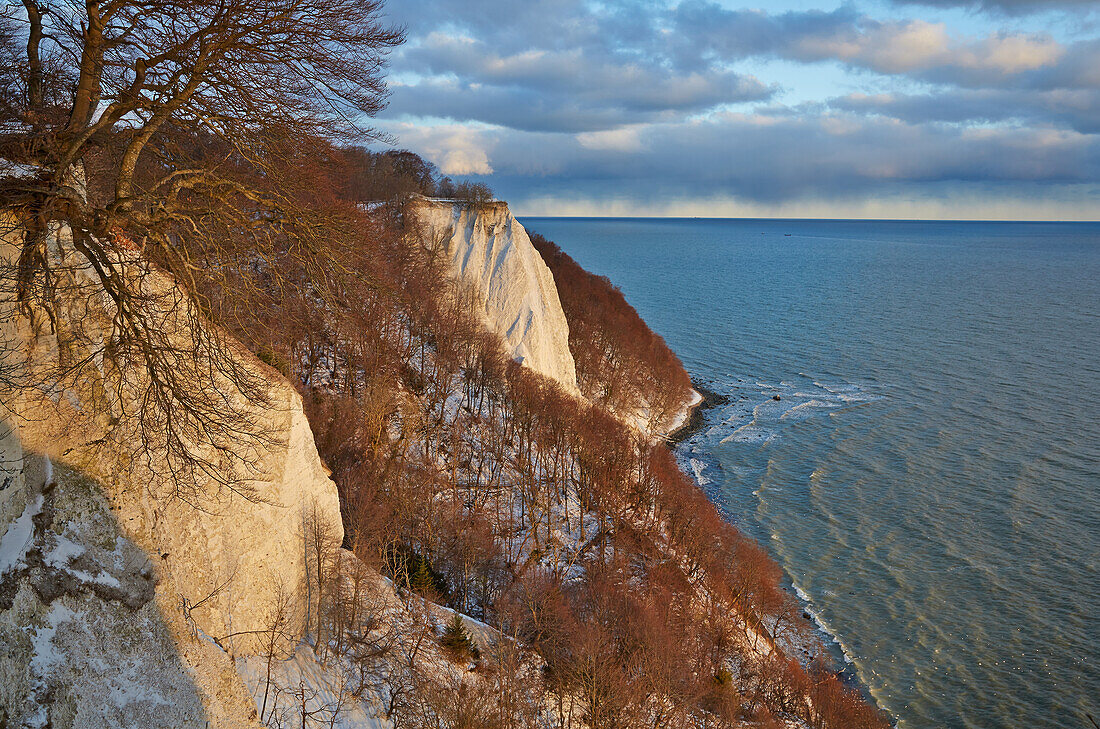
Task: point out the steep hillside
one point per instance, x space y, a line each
515 555
131 575
473 481
621 363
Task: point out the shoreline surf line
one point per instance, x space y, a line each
697 419
843 664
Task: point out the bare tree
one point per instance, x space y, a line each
277 637
322 585
180 136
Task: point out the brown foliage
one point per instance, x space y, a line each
397 174
380 176
621 363
641 620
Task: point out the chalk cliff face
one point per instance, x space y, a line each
108 582
490 252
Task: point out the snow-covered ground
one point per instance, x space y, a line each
684 416
392 661
17 539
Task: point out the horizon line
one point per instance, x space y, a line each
813 219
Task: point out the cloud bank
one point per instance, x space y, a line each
632 106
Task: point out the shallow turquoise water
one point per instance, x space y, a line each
930 477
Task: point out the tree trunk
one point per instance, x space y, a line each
91 70
34 62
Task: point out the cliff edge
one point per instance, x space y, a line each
490 251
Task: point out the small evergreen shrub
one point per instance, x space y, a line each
410 569
457 642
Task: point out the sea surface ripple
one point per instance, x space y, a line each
929 477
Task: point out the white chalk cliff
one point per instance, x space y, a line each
124 605
490 251
121 605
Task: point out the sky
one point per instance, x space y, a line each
963 109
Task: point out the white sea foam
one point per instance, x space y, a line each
822 626
846 393
749 434
759 418
736 417
804 410
697 468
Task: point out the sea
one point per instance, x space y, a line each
912 428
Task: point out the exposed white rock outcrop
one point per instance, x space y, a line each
84 641
147 585
490 251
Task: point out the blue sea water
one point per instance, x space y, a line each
930 475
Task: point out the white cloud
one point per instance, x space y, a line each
456 149
915 48
464 161
629 103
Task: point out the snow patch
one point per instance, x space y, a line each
63 552
45 655
21 171
17 539
697 468
300 681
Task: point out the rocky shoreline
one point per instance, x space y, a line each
845 670
709 400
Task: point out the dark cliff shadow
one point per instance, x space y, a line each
82 639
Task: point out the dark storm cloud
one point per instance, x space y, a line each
516 108
557 90
582 110
916 49
704 30
1008 7
510 26
627 82
549 64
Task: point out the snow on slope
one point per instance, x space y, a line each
490 251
